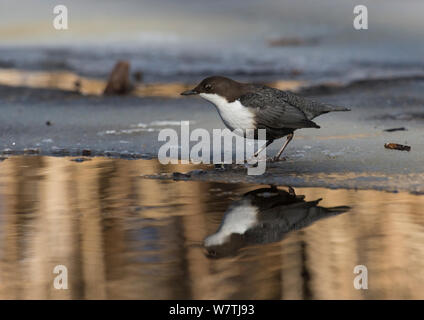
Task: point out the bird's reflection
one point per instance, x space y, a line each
262 216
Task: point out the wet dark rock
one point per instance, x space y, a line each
31 151
146 156
129 155
396 129
80 159
196 172
119 82
180 176
60 151
111 154
86 152
219 166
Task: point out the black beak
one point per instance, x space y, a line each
189 92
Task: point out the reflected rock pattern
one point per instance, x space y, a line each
122 236
262 216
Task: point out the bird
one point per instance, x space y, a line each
264 215
244 106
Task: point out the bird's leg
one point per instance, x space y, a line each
289 138
268 142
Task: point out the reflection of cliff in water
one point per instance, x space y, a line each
125 237
262 216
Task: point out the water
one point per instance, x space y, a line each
183 41
123 236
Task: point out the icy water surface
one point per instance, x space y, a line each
187 40
123 236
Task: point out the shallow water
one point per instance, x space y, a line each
123 236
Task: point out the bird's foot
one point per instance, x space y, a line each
251 163
276 159
254 160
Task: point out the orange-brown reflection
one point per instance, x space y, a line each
123 236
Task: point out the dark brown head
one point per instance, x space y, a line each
224 87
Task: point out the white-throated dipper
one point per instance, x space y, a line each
250 106
264 215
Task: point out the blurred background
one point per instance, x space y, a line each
185 40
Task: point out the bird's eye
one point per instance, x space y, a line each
208 87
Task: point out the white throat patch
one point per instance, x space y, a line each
238 219
234 114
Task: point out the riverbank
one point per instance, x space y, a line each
347 152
